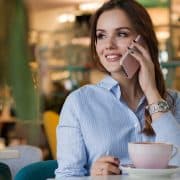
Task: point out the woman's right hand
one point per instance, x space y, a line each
106 165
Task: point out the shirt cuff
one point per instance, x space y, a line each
166 124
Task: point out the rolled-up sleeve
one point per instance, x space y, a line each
71 153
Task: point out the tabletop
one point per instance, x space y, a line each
122 177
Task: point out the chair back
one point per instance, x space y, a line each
27 155
38 171
5 173
50 121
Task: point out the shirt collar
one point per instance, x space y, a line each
113 86
108 82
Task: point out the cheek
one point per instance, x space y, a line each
123 46
127 42
99 50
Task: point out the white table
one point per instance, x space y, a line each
8 154
123 177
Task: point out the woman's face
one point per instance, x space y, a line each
114 34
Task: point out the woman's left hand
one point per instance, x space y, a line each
146 73
105 165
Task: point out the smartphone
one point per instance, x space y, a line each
128 63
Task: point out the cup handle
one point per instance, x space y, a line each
176 149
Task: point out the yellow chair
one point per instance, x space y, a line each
50 121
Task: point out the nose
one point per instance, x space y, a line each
110 43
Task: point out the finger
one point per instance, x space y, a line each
139 57
110 169
96 170
104 168
142 60
143 50
99 169
109 159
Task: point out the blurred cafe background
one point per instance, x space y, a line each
44 55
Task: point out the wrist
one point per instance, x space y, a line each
160 106
153 96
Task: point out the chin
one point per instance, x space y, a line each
114 70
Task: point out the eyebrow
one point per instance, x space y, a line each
117 29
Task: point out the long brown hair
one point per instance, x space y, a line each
142 24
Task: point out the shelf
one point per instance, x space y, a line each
71 68
172 64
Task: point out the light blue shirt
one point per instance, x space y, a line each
95 121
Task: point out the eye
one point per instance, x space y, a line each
122 34
100 36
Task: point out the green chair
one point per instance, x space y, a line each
27 155
37 171
5 173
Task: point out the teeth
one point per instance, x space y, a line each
112 56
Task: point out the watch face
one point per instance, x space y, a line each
163 105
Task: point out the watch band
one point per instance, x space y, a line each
160 106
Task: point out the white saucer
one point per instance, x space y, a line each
132 171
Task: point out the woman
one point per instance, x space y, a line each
98 121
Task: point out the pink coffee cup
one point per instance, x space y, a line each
149 155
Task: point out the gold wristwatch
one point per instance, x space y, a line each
160 106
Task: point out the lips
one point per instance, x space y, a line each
112 57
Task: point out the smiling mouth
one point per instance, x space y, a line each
112 58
